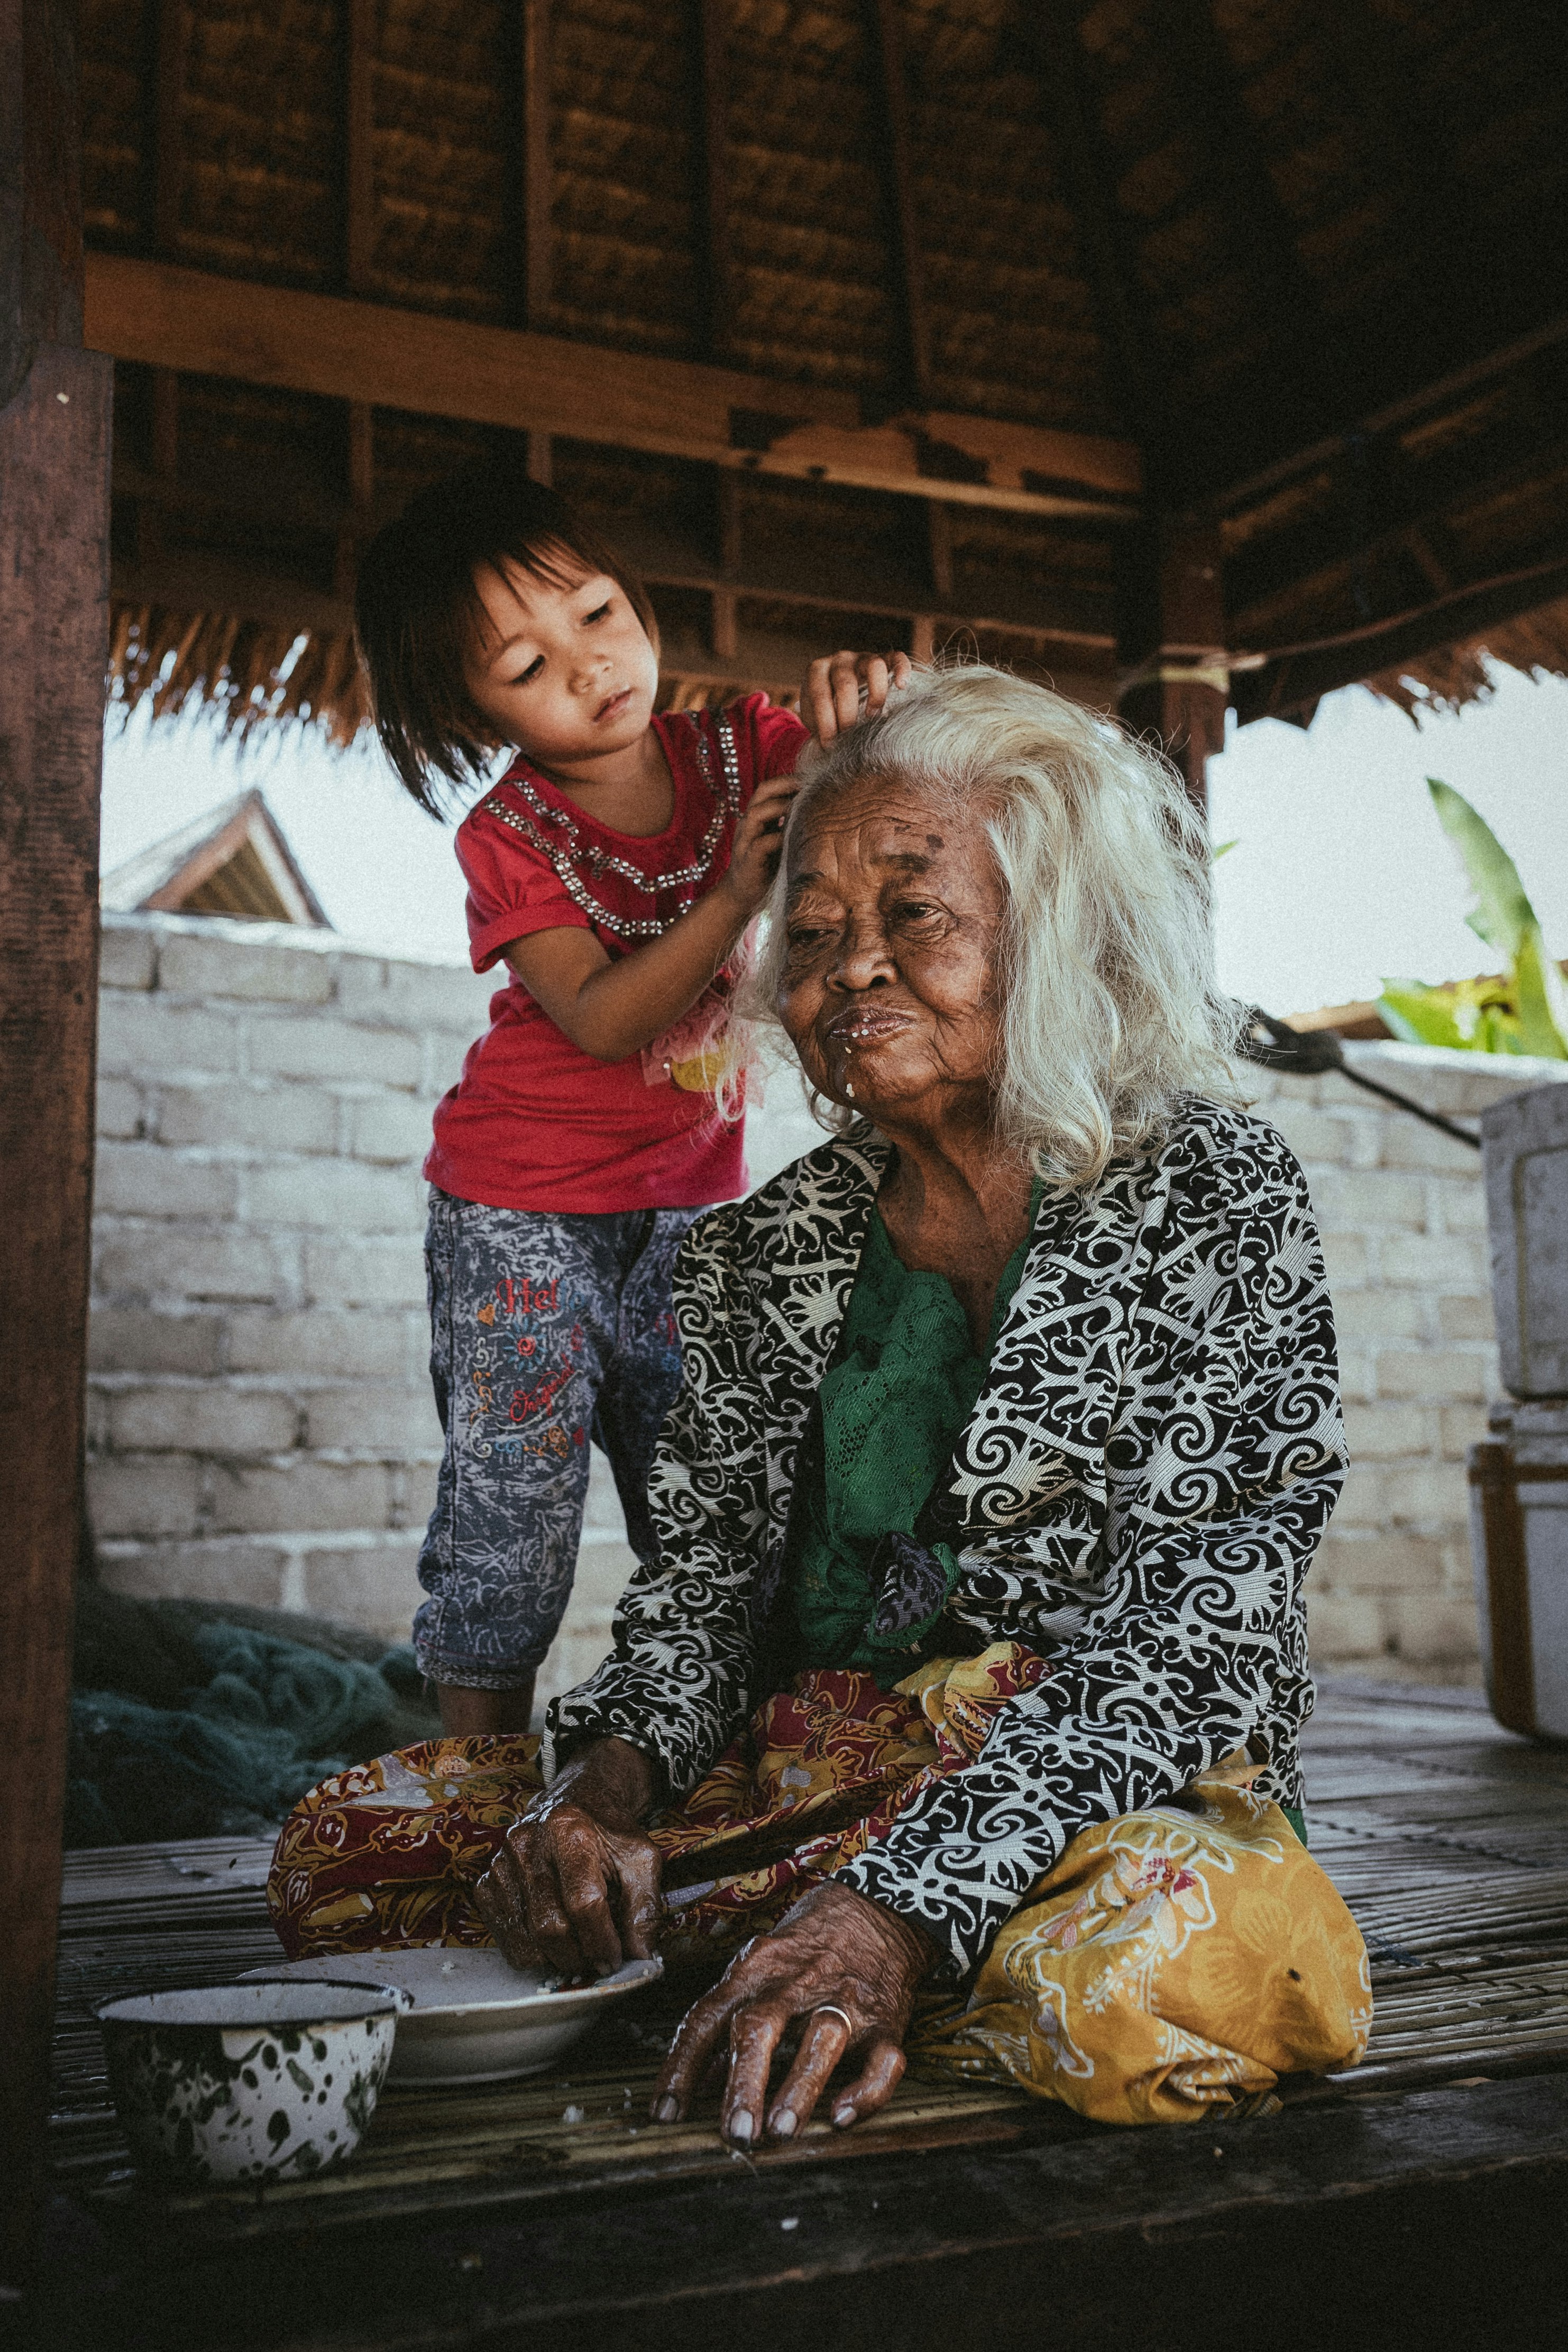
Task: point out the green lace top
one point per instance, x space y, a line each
902 1381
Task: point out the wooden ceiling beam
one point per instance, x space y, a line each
738 654
172 575
912 382
162 316
186 581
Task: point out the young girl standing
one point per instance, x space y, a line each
613 869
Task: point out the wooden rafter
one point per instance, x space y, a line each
536 178
534 195
1321 557
710 48
165 67
1482 272
358 251
359 145
1322 371
162 316
1301 679
1448 391
1110 250
914 371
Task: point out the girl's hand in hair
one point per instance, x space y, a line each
754 853
830 700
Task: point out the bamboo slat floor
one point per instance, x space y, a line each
1449 1837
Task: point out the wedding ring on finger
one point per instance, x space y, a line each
830 2009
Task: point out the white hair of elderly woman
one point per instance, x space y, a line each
1110 1009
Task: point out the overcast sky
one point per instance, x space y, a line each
1341 874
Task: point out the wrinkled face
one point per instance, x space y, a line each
893 921
567 672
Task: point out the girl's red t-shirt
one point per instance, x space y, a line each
534 1122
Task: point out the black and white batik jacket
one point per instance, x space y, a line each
1147 1473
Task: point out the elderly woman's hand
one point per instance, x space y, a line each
840 1962
577 1883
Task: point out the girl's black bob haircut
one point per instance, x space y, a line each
416 609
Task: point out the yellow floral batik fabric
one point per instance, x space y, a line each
1173 1964
1175 1961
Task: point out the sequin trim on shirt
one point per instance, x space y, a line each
726 810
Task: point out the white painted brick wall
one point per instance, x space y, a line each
1403 1230
261 1417
261 1424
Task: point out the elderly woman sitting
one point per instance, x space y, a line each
961 1704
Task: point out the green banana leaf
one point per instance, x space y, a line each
1419 1015
1541 999
1521 1010
1502 913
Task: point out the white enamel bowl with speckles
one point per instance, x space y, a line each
250 2083
476 2019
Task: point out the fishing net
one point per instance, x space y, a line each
190 1720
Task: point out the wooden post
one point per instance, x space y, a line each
726 614
939 551
1176 682
163 454
54 642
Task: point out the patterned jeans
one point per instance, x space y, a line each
545 1331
